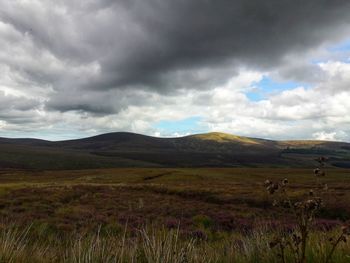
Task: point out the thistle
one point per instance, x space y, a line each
304 211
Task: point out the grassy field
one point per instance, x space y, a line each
223 213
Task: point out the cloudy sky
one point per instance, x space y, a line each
276 69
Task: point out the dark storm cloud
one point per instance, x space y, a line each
300 71
196 34
163 45
8 102
17 109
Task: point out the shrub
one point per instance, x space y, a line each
304 211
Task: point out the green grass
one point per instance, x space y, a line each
153 245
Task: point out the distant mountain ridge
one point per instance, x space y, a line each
123 149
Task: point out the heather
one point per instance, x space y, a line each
149 215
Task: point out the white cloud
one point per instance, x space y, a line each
61 64
297 113
324 136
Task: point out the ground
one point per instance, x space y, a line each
215 199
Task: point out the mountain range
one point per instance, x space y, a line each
122 149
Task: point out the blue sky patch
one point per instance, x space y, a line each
254 95
268 86
184 126
341 47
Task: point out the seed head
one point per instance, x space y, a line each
285 181
310 204
272 188
267 183
319 172
298 204
313 204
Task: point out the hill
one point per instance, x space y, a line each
123 149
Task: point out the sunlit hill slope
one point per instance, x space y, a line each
123 149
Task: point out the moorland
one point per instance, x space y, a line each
123 149
131 198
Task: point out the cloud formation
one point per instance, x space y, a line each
95 66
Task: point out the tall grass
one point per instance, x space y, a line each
156 245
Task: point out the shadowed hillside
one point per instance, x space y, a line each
134 150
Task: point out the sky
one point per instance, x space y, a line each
276 69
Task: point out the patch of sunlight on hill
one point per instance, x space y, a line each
224 137
301 143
